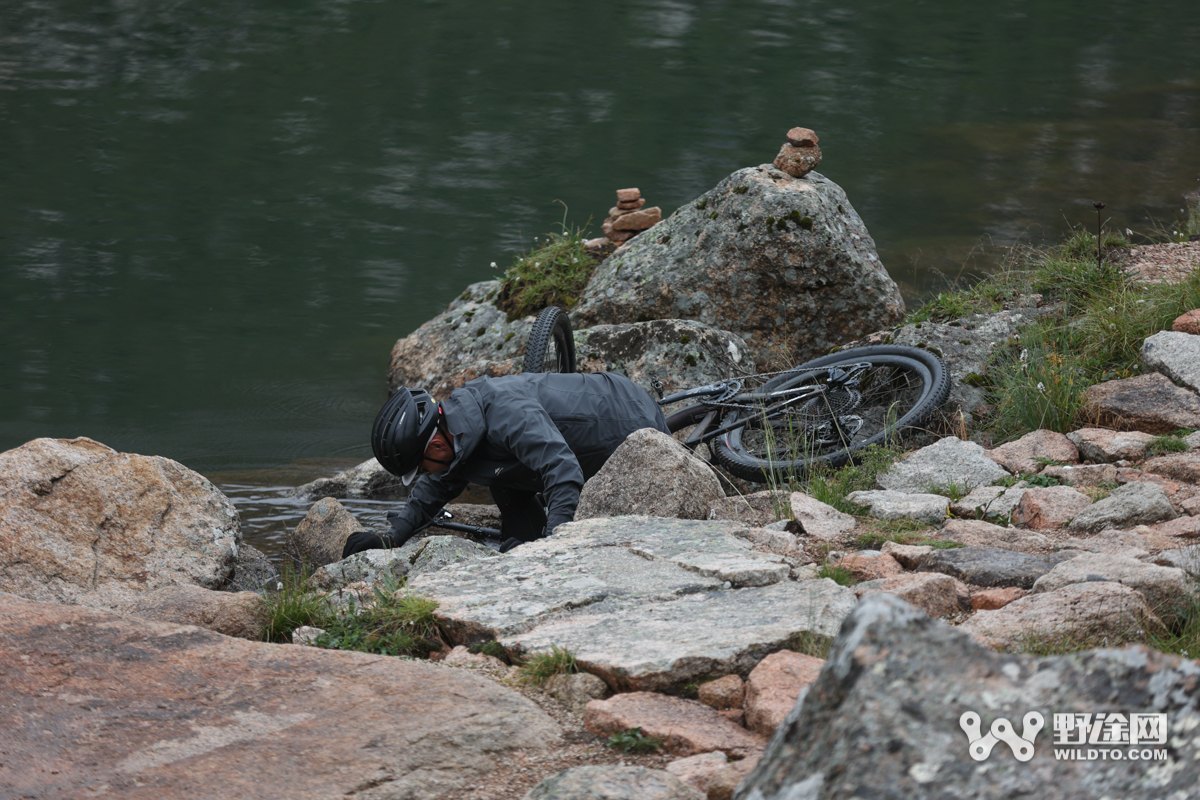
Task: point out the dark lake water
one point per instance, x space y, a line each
216 216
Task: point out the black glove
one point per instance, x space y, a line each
510 543
360 541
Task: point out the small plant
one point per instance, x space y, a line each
811 644
900 531
541 667
634 741
492 648
554 274
1041 480
1183 636
292 605
392 624
837 573
951 490
1166 444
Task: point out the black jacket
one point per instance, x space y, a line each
541 432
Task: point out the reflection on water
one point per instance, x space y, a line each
269 513
218 216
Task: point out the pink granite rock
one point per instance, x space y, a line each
685 727
1188 322
1105 446
991 599
1021 455
1049 508
870 565
773 687
936 594
723 693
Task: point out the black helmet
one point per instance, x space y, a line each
402 431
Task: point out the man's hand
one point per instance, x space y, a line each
360 541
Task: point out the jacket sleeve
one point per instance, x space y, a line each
427 497
523 428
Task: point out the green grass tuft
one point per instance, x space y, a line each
554 274
1160 445
634 741
837 573
392 624
292 605
541 667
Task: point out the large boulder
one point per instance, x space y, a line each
82 523
319 538
368 479
965 347
1133 504
1150 403
143 709
1176 355
785 263
947 462
644 603
471 335
680 353
653 475
1167 590
892 711
240 614
1073 617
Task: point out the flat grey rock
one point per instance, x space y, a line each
252 572
1133 504
1186 559
989 502
1176 355
645 603
372 566
1166 589
612 783
947 462
886 504
992 566
368 479
882 720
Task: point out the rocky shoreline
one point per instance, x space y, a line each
773 645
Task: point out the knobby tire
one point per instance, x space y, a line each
551 346
900 392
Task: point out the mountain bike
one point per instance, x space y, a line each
768 425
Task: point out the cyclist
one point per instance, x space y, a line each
519 435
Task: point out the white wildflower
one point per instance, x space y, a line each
494 265
1041 387
279 586
1024 356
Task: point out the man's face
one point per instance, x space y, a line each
438 454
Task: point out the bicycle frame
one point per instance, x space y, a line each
757 404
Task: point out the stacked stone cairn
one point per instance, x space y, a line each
800 154
627 219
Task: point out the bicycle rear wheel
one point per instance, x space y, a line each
893 390
551 347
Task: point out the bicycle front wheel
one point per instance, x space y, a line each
551 346
866 396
